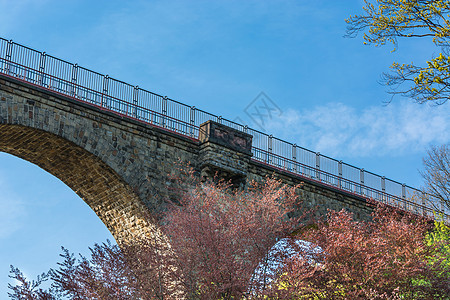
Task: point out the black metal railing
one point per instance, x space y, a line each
109 94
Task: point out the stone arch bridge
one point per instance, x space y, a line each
114 144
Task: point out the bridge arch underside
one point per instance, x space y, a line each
113 200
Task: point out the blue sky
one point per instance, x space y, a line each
217 56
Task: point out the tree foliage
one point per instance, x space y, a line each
384 259
221 234
385 21
130 272
218 235
28 289
220 248
439 239
437 176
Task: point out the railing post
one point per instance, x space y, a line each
3 60
135 101
9 46
192 120
219 119
105 91
361 180
404 195
42 60
383 189
423 204
246 128
164 111
294 157
318 165
340 174
9 50
269 149
74 79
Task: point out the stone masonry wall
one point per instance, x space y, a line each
235 161
316 197
120 167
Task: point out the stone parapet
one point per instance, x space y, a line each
225 136
224 151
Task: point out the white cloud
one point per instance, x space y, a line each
341 130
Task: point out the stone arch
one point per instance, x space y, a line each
108 195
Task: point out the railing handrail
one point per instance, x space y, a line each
185 119
111 97
386 198
357 184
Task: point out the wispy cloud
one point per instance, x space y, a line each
341 130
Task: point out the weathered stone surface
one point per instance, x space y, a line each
121 167
224 151
225 136
315 196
